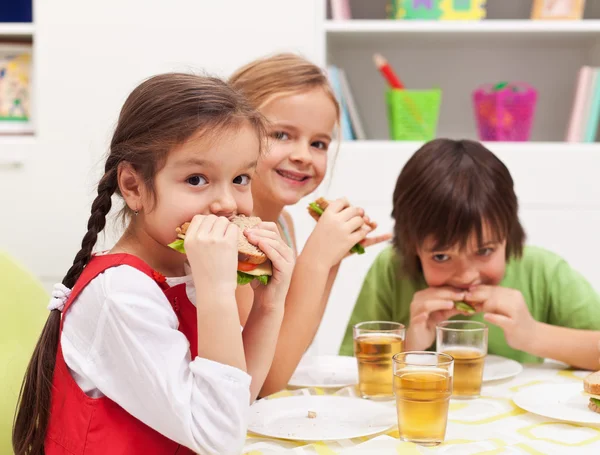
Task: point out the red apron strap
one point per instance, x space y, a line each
100 263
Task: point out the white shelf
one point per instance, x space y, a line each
485 26
14 150
17 30
20 128
525 147
354 32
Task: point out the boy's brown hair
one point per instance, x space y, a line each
450 190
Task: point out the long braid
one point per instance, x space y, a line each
36 388
100 208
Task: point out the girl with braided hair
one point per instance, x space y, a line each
142 352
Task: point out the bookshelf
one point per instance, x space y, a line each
16 30
458 56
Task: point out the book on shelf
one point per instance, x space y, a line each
340 10
585 112
351 125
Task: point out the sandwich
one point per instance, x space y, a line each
316 209
591 387
252 262
464 307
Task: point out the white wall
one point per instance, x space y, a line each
88 57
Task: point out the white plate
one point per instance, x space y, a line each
558 401
336 418
326 371
497 367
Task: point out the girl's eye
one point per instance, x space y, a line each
281 136
441 257
196 180
320 145
485 251
242 180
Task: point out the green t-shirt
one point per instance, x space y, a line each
554 292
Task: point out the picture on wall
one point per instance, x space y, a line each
15 88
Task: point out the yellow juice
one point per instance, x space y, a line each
374 354
468 371
422 400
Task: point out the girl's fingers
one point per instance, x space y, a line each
276 251
338 205
256 233
356 224
207 224
369 241
231 232
220 226
351 212
357 236
266 225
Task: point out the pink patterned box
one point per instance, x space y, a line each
504 111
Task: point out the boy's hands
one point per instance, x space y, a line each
507 309
429 307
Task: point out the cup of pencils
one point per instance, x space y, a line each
505 111
412 114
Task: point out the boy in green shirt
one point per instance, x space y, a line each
457 237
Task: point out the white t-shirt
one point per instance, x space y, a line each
120 340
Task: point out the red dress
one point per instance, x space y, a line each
81 425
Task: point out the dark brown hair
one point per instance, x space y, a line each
450 190
160 113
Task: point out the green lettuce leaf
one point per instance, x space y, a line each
177 245
318 210
595 401
244 278
358 248
264 279
464 307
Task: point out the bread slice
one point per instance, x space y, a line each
181 231
246 251
591 383
322 203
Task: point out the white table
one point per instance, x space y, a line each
492 424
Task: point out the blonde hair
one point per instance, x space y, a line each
267 78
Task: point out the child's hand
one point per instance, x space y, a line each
337 231
211 249
429 307
507 309
370 226
266 236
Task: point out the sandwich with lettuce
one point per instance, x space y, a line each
253 264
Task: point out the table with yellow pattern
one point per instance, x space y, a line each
492 424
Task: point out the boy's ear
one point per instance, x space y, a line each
131 186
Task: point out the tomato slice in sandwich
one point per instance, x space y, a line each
245 267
